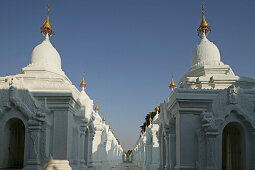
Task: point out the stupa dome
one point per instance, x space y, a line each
206 53
46 55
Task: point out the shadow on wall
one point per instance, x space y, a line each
41 123
26 127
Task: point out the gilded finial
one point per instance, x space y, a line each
110 126
83 84
172 85
96 107
204 29
157 108
150 120
104 117
46 28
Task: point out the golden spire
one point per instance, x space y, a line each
172 85
110 126
150 120
46 28
96 107
104 117
142 131
157 108
83 84
204 28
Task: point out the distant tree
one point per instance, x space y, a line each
147 118
128 153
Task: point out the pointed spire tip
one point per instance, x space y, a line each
204 29
172 84
83 83
46 29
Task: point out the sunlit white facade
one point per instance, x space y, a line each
208 121
47 123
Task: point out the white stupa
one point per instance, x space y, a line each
207 70
52 122
206 53
44 71
46 55
210 111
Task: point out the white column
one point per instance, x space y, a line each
210 151
90 158
82 142
34 145
166 137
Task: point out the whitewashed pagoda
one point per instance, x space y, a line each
46 122
208 121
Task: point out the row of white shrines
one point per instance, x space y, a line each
47 123
206 123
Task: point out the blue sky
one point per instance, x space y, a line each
128 48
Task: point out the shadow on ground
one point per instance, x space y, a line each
126 166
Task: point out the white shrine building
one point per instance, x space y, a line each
208 121
146 152
47 123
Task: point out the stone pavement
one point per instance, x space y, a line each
126 166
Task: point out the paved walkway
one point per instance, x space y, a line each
126 166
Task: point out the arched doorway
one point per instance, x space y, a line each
15 143
233 147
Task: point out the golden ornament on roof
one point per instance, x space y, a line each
104 117
157 109
83 83
172 85
46 28
150 120
204 28
96 107
110 126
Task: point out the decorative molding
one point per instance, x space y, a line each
208 122
26 103
232 93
